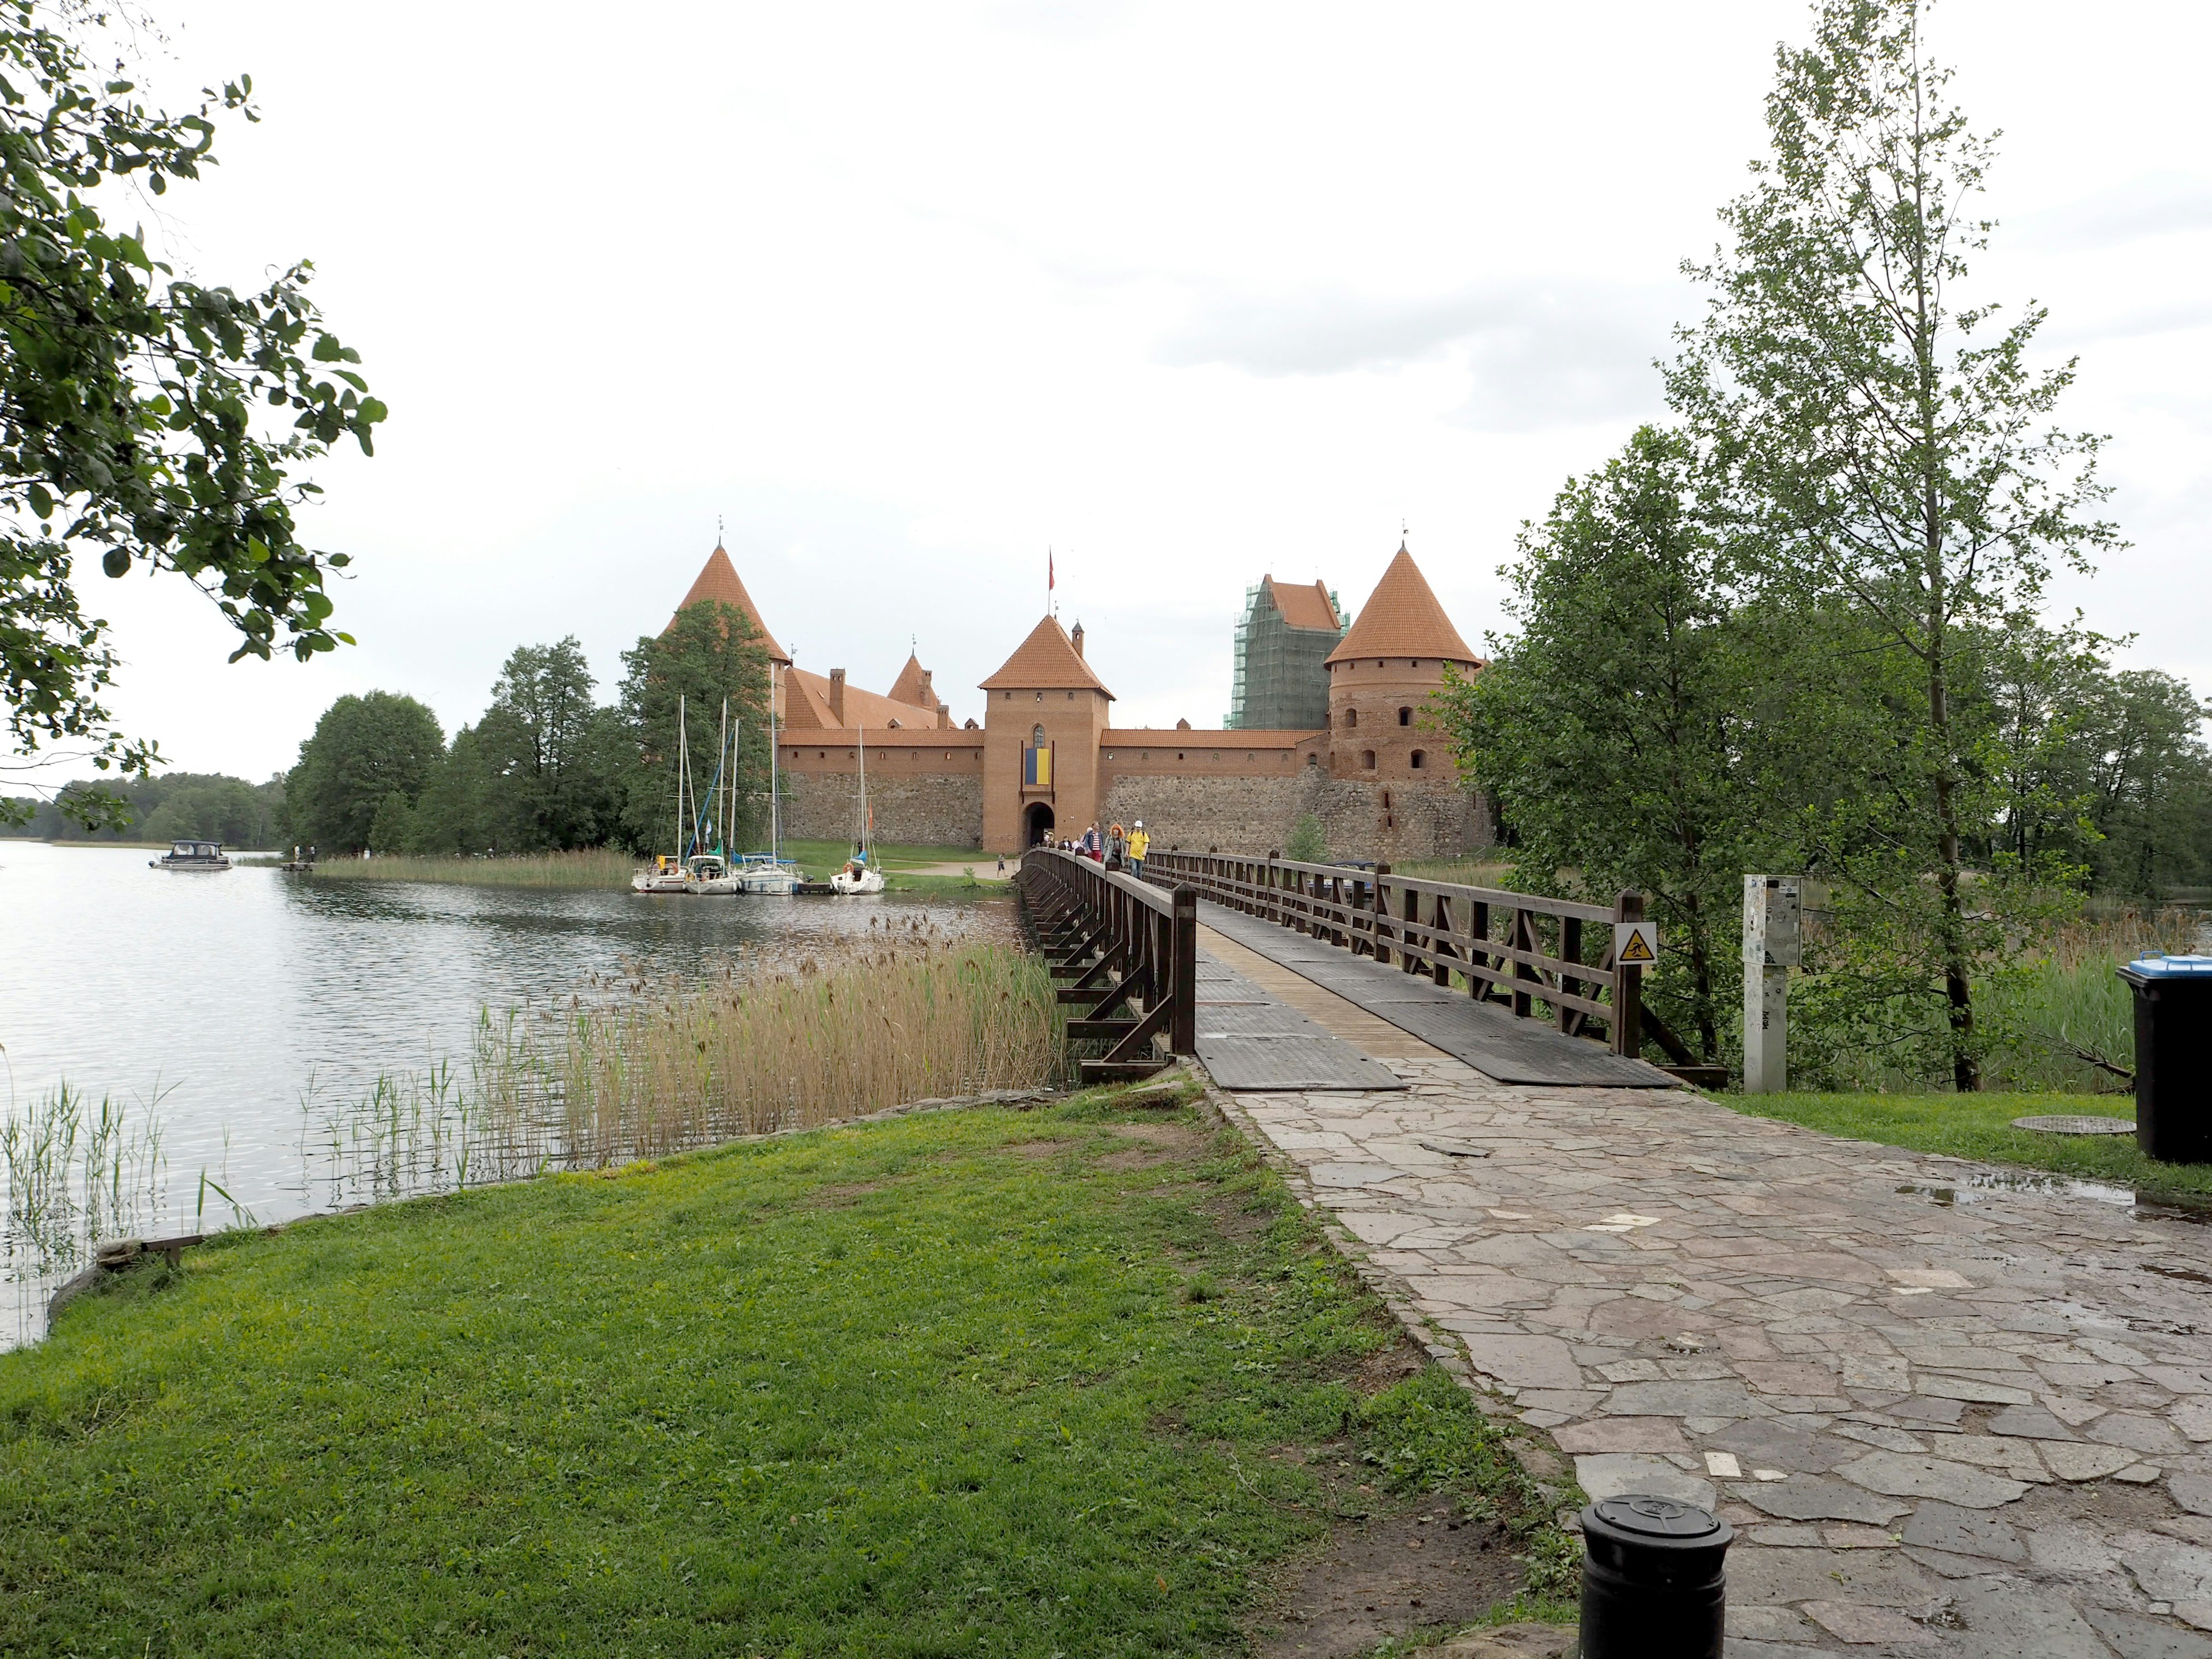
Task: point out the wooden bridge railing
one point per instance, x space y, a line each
1129 952
1514 948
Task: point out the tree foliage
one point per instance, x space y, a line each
711 651
1611 729
364 750
146 418
1890 457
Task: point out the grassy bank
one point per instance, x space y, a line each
1080 1380
611 868
1980 1127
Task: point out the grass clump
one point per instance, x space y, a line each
584 868
913 1388
1980 1127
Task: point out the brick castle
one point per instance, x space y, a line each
1045 759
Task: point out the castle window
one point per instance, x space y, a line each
1178 754
1351 720
1367 759
1040 696
1419 760
1405 717
1386 800
1070 696
1037 736
894 726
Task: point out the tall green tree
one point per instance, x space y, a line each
145 420
711 651
1611 729
2150 783
539 731
1888 445
363 749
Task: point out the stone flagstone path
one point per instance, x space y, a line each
1949 1409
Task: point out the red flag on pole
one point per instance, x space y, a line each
1048 570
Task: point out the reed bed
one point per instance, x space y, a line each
596 867
670 1065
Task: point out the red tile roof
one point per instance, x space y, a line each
718 579
806 705
1304 607
1403 619
1046 661
913 685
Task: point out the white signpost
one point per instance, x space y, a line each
1773 931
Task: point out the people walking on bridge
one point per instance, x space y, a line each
1139 844
1117 847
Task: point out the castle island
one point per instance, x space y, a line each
1331 718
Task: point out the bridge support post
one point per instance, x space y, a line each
1182 1024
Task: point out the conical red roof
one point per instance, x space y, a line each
1403 619
913 685
1046 661
718 579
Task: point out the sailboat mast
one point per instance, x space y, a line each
681 755
864 788
774 806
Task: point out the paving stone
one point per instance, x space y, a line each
2134 1637
2170 1570
2135 1431
2068 1547
1971 1389
2193 1417
1768 1624
2075 1460
1767 1443
1849 1622
2192 1491
1808 1497
1964 1532
2007 1618
1524 1362
1900 1474
1683 1399
2032 1423
1622 1434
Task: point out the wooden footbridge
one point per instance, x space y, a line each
1465 968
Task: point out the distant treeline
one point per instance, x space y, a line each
175 805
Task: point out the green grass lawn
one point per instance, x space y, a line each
1980 1127
979 1382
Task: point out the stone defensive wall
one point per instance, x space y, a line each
1362 819
925 787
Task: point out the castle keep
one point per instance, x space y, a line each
1046 760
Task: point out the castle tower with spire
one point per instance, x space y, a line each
1382 676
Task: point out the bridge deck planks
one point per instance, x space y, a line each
1248 1040
1487 1038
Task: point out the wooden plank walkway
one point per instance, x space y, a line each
1486 1038
1249 1040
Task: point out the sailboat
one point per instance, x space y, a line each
667 874
709 872
858 876
770 874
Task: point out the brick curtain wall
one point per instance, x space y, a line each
929 811
1253 815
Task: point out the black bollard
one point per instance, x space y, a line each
1654 1585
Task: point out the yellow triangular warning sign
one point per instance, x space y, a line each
1639 949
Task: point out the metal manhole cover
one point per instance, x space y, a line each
2076 1126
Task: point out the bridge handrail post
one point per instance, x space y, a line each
1183 974
1628 985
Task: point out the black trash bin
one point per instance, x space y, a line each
2174 1056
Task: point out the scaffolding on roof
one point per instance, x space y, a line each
1276 679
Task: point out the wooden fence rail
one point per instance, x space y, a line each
1129 952
1517 949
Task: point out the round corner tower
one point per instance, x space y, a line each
1381 678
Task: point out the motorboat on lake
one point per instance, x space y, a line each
193 855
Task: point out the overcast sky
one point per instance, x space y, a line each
906 295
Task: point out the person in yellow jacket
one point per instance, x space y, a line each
1139 844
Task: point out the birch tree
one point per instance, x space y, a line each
1889 443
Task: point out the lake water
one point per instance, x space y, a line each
241 1008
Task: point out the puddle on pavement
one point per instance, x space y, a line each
2144 1206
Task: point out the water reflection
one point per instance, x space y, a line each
2144 1205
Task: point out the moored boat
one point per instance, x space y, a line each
764 873
195 856
707 874
666 876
